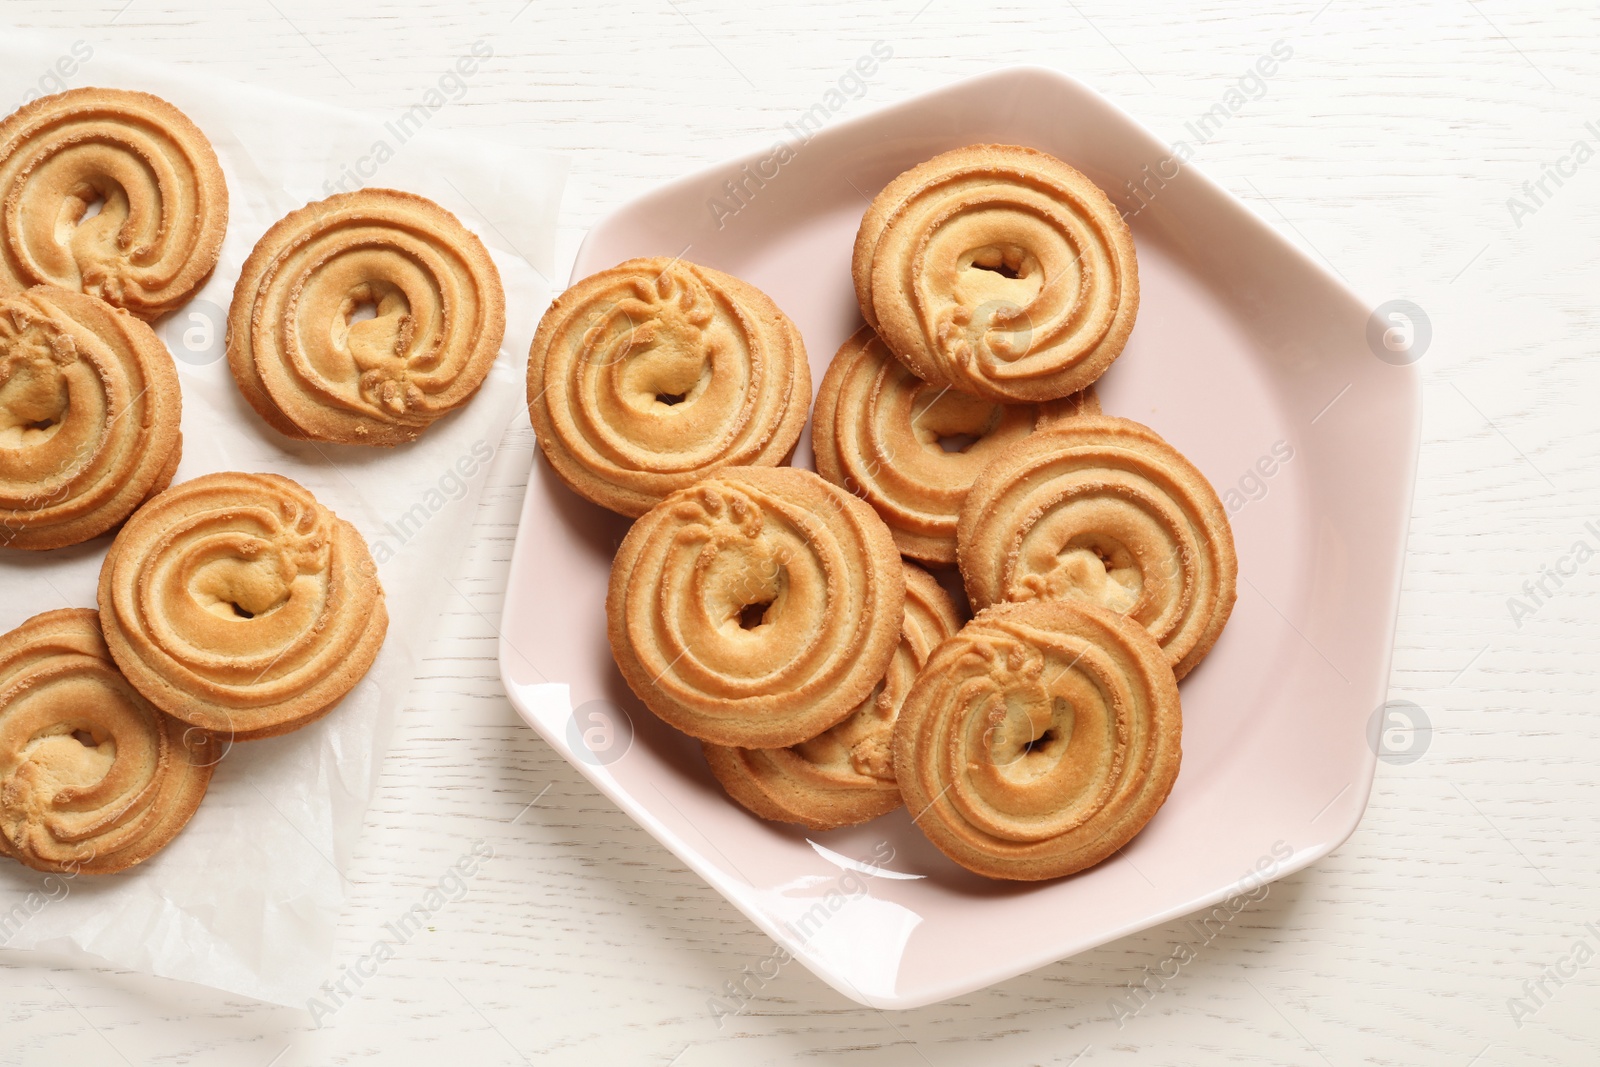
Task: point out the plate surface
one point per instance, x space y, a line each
1247 356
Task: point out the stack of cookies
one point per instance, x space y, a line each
785 618
232 606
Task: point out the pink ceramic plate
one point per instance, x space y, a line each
1247 356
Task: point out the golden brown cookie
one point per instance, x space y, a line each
845 775
756 608
93 778
239 604
999 271
1039 740
911 449
1103 510
313 366
646 377
163 202
89 414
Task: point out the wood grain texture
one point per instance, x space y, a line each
1387 146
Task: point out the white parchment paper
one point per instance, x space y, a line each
247 897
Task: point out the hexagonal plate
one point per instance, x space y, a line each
1247 355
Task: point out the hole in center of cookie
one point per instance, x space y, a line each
951 422
753 615
85 738
1000 269
41 424
1040 743
1098 569
958 442
361 311
669 399
82 205
246 579
1006 262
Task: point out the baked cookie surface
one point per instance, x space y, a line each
93 778
163 203
1039 739
89 417
1103 510
912 449
845 775
239 604
756 608
647 376
999 271
363 318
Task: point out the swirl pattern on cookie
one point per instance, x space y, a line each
163 204
756 608
89 417
998 271
1103 510
1039 740
363 318
93 778
845 775
912 449
647 376
239 604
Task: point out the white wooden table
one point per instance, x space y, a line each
1388 145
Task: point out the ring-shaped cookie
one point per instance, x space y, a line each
645 377
239 604
163 203
89 417
93 777
912 449
1039 739
1104 510
756 608
845 775
363 318
999 271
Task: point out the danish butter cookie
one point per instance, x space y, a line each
163 204
93 778
89 416
998 271
1039 739
363 318
239 604
756 608
845 775
1101 509
912 449
645 377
